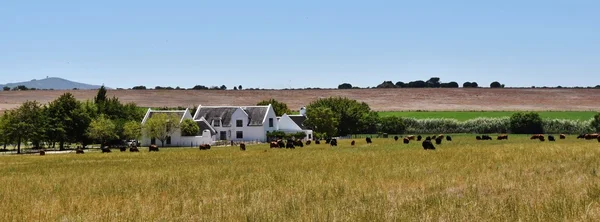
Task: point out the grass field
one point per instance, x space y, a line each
462 116
463 180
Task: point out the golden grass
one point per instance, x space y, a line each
464 180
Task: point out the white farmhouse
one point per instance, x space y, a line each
295 123
207 133
234 123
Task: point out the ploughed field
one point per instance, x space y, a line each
441 99
462 180
468 115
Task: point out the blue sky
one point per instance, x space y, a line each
281 44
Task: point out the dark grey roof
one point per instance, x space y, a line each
216 113
205 126
175 114
299 120
256 115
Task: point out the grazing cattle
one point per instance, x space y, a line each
551 138
333 142
486 137
438 140
406 140
280 143
419 138
134 149
368 140
205 147
242 147
478 137
105 150
317 142
274 145
352 143
581 136
441 135
298 143
502 137
412 137
123 149
327 141
427 145
42 153
290 145
428 138
433 137
308 143
79 151
542 138
153 148
591 136
599 139
396 138
562 136
448 138
536 136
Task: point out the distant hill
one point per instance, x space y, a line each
52 83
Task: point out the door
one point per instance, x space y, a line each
223 135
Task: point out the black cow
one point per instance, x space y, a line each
486 137
134 149
427 145
396 138
105 150
281 144
299 143
448 138
318 141
581 136
438 140
369 141
551 138
428 138
290 144
308 143
242 147
478 137
79 151
123 149
352 143
406 140
205 147
419 138
333 142
153 148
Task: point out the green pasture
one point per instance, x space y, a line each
467 115
462 180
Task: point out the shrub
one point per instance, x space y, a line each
392 125
566 126
595 123
496 85
526 123
345 86
189 128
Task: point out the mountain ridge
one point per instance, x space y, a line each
52 83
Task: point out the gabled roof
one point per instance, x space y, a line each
179 114
204 125
299 120
256 114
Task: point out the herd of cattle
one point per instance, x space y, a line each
427 142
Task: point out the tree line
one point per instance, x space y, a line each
67 120
433 82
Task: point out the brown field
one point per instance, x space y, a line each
379 99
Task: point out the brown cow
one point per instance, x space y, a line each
42 153
406 140
352 143
242 147
79 151
411 137
274 145
134 149
562 136
308 142
123 149
205 147
591 136
537 137
153 148
502 137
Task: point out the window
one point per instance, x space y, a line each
309 136
270 122
239 134
239 123
153 140
217 122
168 140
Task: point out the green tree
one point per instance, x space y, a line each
345 86
496 84
392 124
596 122
322 120
279 107
189 128
240 87
26 123
100 96
400 84
102 129
4 129
348 112
161 126
6 88
66 119
526 123
132 130
386 84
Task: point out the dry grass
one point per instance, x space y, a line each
464 180
379 99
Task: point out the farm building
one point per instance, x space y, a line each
207 133
295 123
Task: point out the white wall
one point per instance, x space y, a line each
286 124
183 141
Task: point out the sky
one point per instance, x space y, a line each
298 44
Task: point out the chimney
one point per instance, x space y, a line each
303 111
